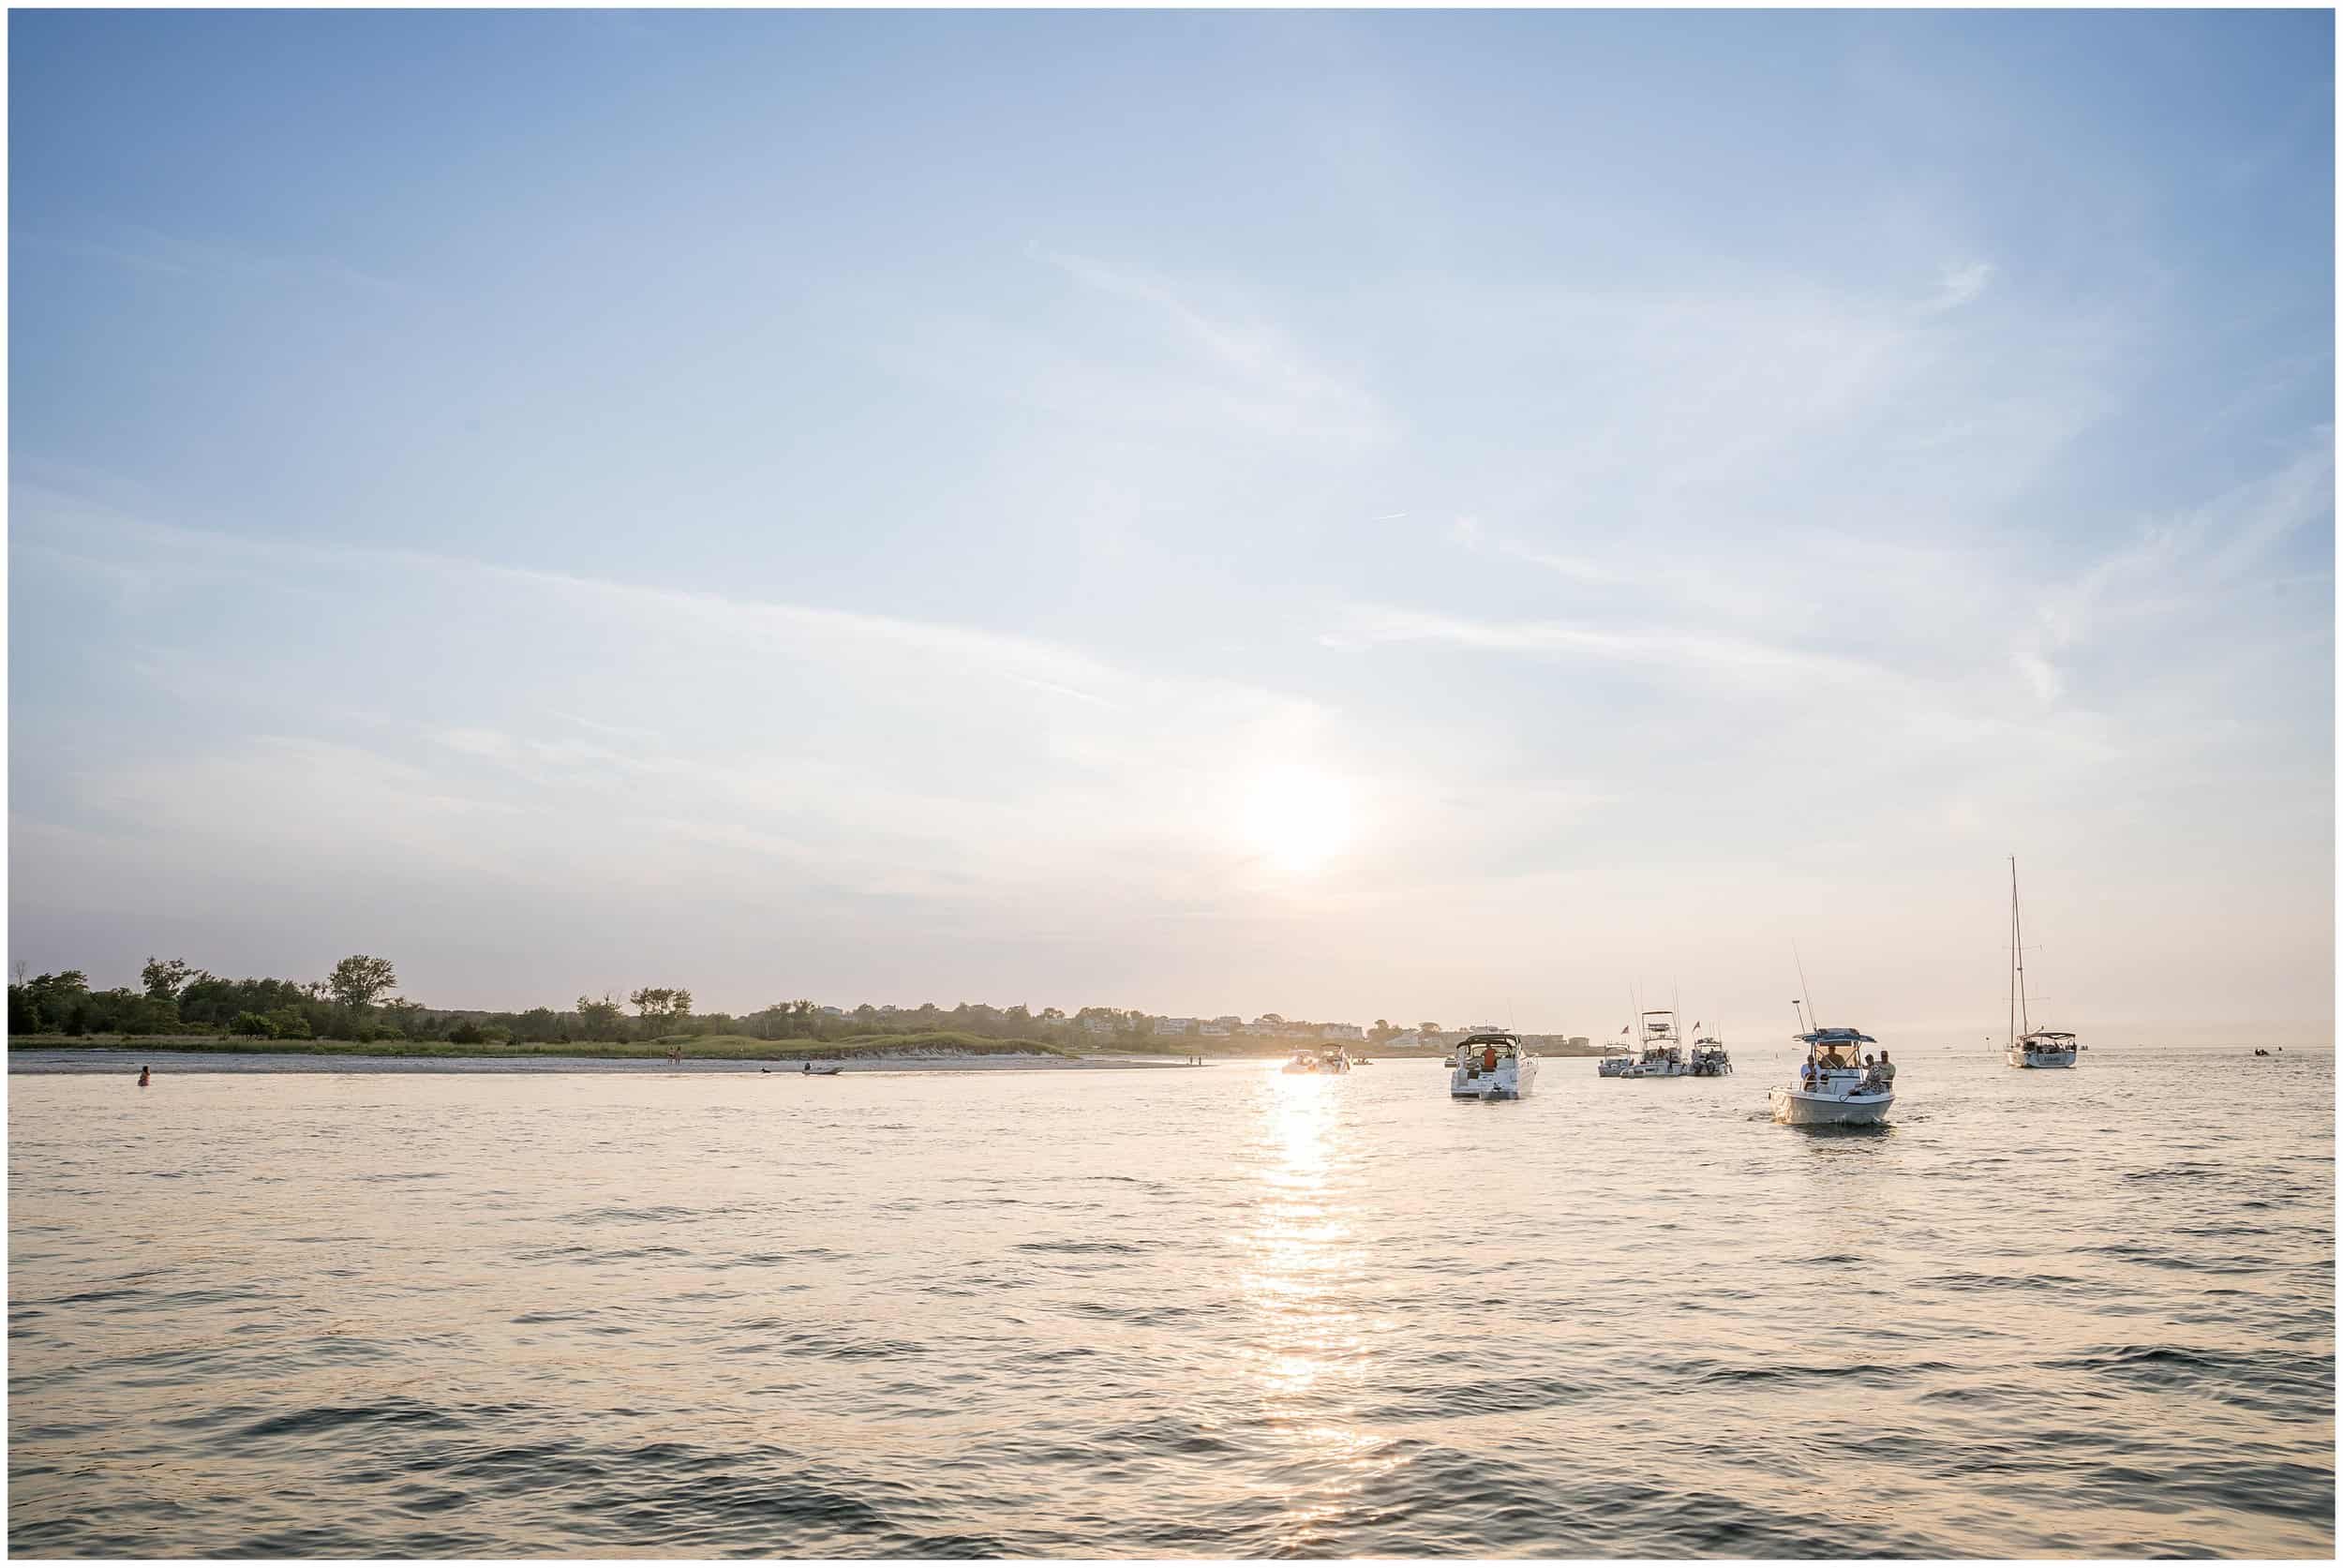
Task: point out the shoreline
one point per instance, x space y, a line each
105 1061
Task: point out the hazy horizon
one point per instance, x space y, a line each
1206 513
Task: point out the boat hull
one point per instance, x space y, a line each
2041 1058
1511 1080
1802 1108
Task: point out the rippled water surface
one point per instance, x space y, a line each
1210 1311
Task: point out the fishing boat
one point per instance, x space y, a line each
1834 1088
1663 1048
1709 1057
1492 1064
1616 1060
2029 1047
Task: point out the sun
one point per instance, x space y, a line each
1298 818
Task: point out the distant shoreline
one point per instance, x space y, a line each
35 1059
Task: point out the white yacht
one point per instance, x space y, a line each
2029 1047
1662 1050
1332 1059
1833 1087
1492 1064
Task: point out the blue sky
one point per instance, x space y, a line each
1349 514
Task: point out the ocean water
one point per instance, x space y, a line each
1215 1311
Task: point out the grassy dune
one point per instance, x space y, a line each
722 1048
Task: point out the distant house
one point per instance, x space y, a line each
1216 1028
1406 1039
1175 1026
1341 1032
1099 1025
833 1012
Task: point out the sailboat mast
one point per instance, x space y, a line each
2017 957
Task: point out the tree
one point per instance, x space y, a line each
165 978
358 979
1428 1027
662 1004
599 1020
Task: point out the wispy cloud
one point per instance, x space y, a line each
1960 284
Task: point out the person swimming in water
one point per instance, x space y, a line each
146 1076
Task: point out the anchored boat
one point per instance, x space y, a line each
1709 1057
1492 1065
2034 1048
1663 1054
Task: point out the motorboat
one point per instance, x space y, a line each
2029 1047
1615 1059
1335 1059
1663 1048
1492 1064
1833 1087
1302 1061
1709 1057
824 1069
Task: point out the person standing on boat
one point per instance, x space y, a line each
1885 1071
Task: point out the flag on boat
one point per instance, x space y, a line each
1695 1023
1623 1029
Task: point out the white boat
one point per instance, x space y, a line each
1333 1058
1663 1051
826 1069
2029 1047
1616 1060
1833 1088
1492 1064
1709 1057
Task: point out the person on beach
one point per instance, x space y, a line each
146 1076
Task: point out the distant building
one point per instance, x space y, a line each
1217 1028
833 1012
1579 1042
1341 1032
1175 1026
1099 1025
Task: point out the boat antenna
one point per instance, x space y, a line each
1811 1009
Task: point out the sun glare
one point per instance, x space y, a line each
1298 818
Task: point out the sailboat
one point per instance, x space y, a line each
2029 1047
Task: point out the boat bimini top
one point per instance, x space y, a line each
1496 1038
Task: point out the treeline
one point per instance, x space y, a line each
355 1002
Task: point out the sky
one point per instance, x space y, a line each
1461 516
